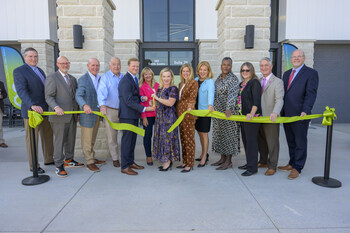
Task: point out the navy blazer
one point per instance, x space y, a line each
30 88
129 98
301 95
86 94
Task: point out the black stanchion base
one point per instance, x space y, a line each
329 183
31 180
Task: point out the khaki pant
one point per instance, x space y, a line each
112 134
46 136
88 138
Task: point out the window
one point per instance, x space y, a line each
168 20
168 35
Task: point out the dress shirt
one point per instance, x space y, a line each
63 75
95 80
107 92
296 72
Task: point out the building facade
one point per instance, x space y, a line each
173 32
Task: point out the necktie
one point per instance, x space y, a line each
137 83
263 85
36 70
290 79
66 77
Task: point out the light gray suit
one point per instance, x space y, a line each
268 138
58 93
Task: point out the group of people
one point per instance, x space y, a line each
126 99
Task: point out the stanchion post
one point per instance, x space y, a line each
325 181
35 179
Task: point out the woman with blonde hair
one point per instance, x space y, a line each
187 99
205 100
166 146
148 87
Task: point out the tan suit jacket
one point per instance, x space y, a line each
188 99
272 96
58 93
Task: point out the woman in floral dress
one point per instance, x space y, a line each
166 147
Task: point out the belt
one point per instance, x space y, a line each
112 108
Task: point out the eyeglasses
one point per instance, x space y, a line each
245 71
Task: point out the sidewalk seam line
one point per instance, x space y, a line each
66 203
240 178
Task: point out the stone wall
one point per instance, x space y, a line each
45 50
96 18
126 49
233 16
208 52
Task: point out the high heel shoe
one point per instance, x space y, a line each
184 170
206 162
181 166
199 159
166 169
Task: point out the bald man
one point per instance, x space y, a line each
108 99
60 90
86 97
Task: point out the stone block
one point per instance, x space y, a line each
262 44
234 2
235 22
233 45
67 2
91 2
93 33
79 11
259 2
67 22
59 11
247 11
267 11
92 22
262 22
237 33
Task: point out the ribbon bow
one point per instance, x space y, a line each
329 116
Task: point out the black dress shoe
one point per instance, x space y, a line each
185 171
244 167
47 164
40 170
181 166
150 163
248 173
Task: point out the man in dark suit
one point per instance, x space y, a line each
60 90
300 86
130 111
29 82
3 95
86 97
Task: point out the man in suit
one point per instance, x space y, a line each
130 111
271 105
108 99
60 90
29 82
86 97
3 95
300 86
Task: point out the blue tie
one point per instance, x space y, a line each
137 83
36 70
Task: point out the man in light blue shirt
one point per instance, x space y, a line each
108 100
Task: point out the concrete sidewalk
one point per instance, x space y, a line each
204 200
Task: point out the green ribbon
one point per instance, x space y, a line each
35 119
328 117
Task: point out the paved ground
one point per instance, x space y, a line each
204 200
